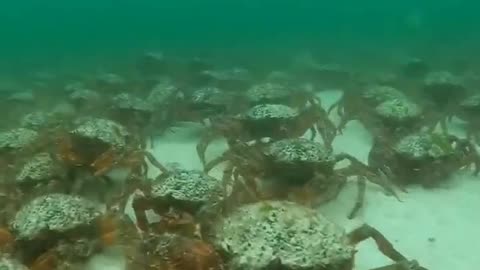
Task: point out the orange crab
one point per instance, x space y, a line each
175 252
53 243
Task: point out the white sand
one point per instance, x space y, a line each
449 214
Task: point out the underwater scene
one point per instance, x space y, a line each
239 135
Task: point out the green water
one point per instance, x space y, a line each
38 35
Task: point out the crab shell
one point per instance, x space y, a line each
40 169
297 159
210 98
257 235
268 93
176 252
189 190
377 94
423 147
440 85
17 139
9 263
98 135
398 111
47 219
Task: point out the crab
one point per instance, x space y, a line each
295 164
110 82
7 262
17 144
442 92
84 99
396 116
101 145
232 79
39 172
279 93
270 235
205 102
274 121
469 111
359 105
423 157
181 198
175 252
164 98
43 226
131 111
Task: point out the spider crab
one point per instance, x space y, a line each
182 198
469 111
423 158
55 231
100 145
294 164
360 105
274 121
174 252
271 235
204 102
442 92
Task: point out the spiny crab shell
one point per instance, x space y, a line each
102 130
17 139
398 110
256 235
187 187
176 252
381 93
269 111
210 96
126 101
58 213
267 92
299 150
40 168
9 263
424 146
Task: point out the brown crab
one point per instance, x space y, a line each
469 111
100 145
423 158
360 105
275 121
272 235
295 164
204 102
442 93
280 93
51 230
182 198
174 252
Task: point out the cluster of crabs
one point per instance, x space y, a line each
71 166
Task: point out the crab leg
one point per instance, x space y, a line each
140 205
332 191
203 145
361 184
403 265
155 162
365 231
356 165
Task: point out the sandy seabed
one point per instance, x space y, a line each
438 227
